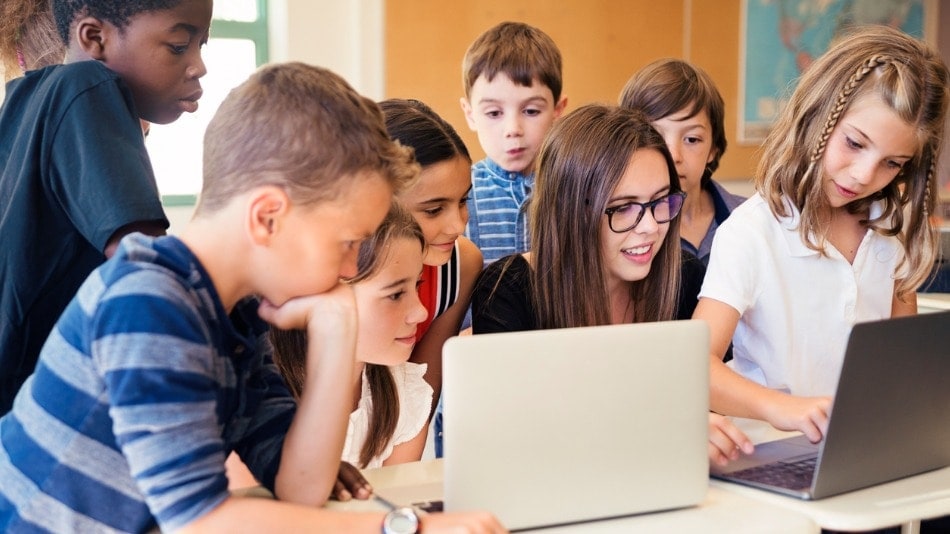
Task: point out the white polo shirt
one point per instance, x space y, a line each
797 307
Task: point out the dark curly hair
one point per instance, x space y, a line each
116 12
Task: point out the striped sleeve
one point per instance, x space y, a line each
161 378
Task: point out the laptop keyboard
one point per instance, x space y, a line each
792 475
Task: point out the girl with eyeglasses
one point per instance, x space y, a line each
604 209
606 200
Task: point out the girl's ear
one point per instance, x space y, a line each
267 210
89 33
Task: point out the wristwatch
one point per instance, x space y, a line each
401 521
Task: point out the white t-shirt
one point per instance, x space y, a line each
796 306
415 401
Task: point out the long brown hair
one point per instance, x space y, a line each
580 164
912 80
290 346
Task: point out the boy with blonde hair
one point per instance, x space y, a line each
159 367
512 80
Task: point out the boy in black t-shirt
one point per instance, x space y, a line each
74 173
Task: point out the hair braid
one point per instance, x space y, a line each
931 174
842 102
914 86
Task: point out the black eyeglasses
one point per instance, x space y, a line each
626 217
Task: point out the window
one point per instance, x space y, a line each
238 45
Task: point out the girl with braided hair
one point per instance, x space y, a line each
839 231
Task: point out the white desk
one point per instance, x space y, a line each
902 502
722 510
932 302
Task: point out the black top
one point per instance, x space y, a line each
73 170
501 301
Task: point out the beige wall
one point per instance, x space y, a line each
345 36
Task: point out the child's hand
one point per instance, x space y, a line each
460 522
330 320
350 483
726 441
808 415
327 311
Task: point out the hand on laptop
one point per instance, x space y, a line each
726 441
808 415
350 483
461 522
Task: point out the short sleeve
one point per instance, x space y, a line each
100 171
357 427
732 273
415 402
158 368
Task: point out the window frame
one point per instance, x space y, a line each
255 31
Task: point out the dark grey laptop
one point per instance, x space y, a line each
890 418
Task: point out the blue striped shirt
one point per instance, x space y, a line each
142 389
497 210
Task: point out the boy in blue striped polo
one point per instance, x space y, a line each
159 368
512 80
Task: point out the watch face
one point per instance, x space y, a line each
401 521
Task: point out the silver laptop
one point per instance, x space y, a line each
890 418
562 426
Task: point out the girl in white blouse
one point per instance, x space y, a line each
391 400
838 233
